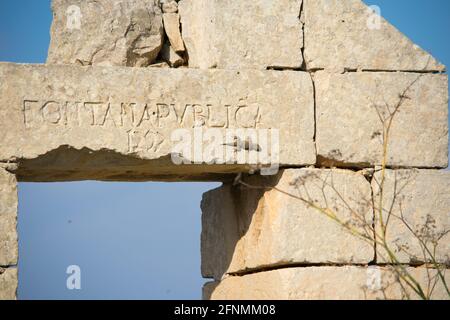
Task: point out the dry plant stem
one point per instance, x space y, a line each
386 134
403 274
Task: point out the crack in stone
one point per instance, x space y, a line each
319 265
4 268
315 113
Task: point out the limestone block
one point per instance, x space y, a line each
8 194
346 34
8 240
8 283
326 283
416 211
247 229
353 109
172 27
66 122
242 34
8 219
105 32
170 56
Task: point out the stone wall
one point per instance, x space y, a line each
381 110
316 234
8 234
359 110
323 283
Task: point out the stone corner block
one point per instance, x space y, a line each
349 35
354 109
8 219
8 283
248 229
208 289
242 34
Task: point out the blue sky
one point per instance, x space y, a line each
135 240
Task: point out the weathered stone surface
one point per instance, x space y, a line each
172 27
8 240
324 283
353 109
66 122
417 203
8 283
347 35
170 56
8 219
105 32
208 289
169 6
244 228
162 64
242 34
8 195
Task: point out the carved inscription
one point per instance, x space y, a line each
141 121
135 115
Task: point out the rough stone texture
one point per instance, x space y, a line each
170 56
172 27
69 122
169 6
105 32
8 283
350 129
340 35
242 34
249 229
208 289
8 219
422 199
162 64
323 283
